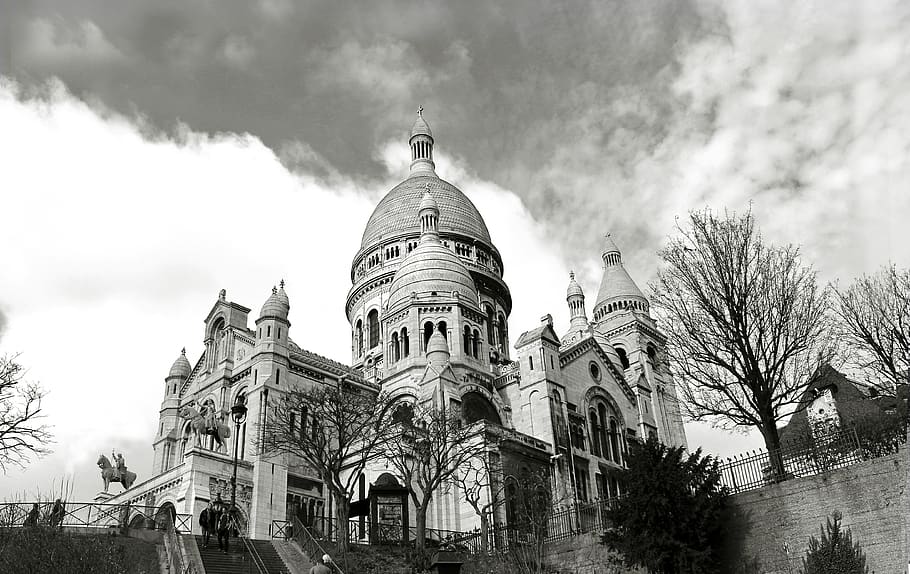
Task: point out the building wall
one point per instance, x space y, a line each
770 527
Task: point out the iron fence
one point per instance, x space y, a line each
823 453
93 515
309 544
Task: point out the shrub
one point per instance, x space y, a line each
835 553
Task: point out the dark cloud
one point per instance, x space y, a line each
529 93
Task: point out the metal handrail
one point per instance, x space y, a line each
172 547
91 514
307 541
255 558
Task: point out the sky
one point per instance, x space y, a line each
155 152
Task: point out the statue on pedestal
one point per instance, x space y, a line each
116 472
206 421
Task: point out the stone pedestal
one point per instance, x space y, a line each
103 496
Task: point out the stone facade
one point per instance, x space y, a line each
428 309
770 527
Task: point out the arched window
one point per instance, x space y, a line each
511 500
503 340
652 356
373 322
405 343
396 350
606 452
614 441
475 344
595 435
427 333
358 338
490 329
217 332
466 341
623 358
443 328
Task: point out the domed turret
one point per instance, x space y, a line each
277 305
431 269
421 142
437 350
181 367
575 297
617 289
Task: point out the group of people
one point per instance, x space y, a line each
215 519
55 518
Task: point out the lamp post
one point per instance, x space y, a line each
238 413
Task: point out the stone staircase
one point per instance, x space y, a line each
237 561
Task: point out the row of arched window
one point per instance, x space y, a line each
371 334
605 434
624 357
392 252
471 343
400 345
421 150
633 304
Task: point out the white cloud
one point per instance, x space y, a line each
122 239
58 43
237 52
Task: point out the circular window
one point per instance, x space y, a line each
595 371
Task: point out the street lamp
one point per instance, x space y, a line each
238 413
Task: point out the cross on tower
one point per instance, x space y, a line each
420 111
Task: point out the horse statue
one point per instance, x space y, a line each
110 473
205 423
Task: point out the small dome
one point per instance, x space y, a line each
609 244
431 269
427 202
437 349
574 288
277 305
420 127
181 367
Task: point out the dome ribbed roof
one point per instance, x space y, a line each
181 367
617 284
277 305
397 212
430 268
574 287
421 127
437 349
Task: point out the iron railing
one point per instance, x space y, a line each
94 515
823 453
255 559
309 544
172 549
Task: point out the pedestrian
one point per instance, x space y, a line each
208 520
224 532
322 566
32 518
58 512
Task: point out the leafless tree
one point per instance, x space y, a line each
430 444
337 430
481 482
874 323
747 324
22 432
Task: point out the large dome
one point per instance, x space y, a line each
396 213
431 269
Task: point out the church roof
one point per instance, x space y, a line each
396 213
574 288
431 269
421 127
277 305
181 367
617 284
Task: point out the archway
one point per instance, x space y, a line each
165 515
476 407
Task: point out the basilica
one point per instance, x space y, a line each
429 308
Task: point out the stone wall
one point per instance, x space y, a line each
584 554
770 527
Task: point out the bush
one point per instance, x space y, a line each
669 518
53 551
835 553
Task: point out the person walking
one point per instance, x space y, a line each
224 531
58 512
322 566
208 519
33 514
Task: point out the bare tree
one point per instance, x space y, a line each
430 444
337 430
874 322
747 324
22 433
481 482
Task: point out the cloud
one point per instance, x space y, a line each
51 43
128 234
237 52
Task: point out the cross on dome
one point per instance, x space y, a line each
420 111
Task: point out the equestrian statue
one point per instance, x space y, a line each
205 421
115 473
